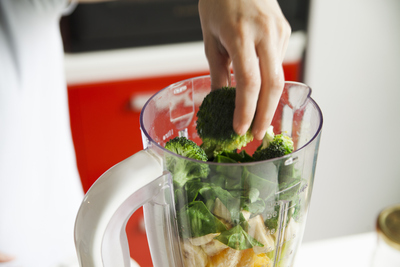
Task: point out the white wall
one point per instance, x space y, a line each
353 66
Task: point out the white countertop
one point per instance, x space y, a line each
348 251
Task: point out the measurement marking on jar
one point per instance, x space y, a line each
271 232
272 204
168 134
290 161
302 189
286 189
272 215
180 89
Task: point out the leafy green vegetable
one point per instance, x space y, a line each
196 220
214 198
240 157
254 207
238 239
233 172
254 182
230 203
271 218
289 199
192 189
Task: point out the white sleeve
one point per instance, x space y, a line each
25 27
40 191
41 7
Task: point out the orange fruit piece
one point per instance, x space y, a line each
250 259
262 260
227 258
235 258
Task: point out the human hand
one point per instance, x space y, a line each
252 35
5 257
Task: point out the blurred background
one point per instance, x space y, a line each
118 53
353 65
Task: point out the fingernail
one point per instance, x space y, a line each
258 135
240 129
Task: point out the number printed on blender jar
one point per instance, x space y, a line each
168 134
302 189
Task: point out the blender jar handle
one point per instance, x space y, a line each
100 237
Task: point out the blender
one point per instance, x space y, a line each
238 214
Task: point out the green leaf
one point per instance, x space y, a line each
255 207
192 189
229 171
242 156
230 202
228 176
217 179
196 220
266 188
238 239
180 178
221 158
253 194
180 198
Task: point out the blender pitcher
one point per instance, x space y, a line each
216 214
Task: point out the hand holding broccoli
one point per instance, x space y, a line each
252 35
214 127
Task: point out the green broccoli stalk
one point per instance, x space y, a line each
184 170
273 146
268 137
215 123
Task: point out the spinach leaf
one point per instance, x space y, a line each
255 207
192 188
238 239
230 189
242 156
230 171
253 194
231 203
266 187
217 179
196 220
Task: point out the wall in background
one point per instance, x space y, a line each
353 66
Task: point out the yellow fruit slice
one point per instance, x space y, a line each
250 259
262 260
227 258
247 259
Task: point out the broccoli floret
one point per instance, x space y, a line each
184 170
215 123
273 146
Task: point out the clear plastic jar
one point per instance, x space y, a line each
387 253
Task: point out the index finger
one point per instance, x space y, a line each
247 75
